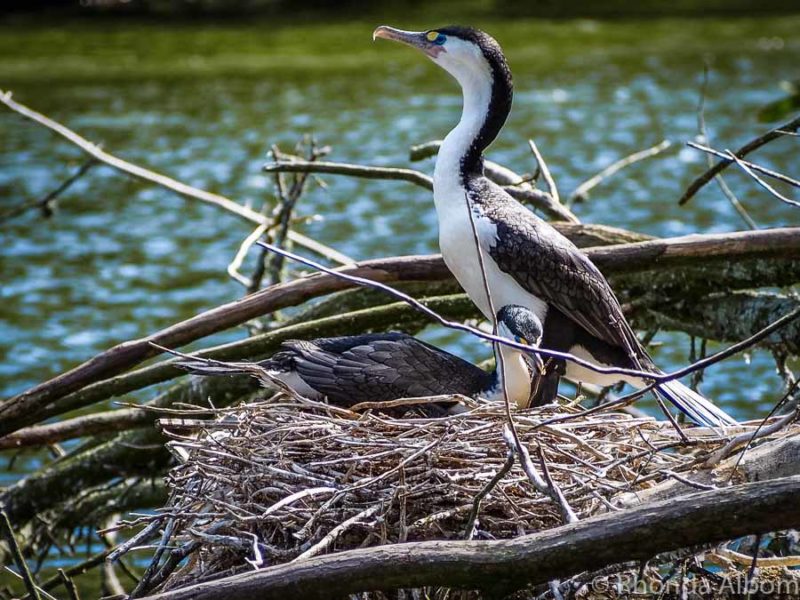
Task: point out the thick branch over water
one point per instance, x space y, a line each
664 257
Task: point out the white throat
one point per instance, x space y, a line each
517 377
476 85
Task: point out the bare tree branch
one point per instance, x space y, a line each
750 146
625 258
182 189
582 191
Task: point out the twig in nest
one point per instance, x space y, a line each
762 430
485 491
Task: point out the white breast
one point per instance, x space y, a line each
458 247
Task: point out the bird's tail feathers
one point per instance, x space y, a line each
700 410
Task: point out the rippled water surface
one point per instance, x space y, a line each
120 258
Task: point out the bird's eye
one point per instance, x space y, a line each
436 37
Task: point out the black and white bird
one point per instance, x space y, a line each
388 366
527 262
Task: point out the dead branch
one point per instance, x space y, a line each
581 193
749 147
547 203
755 167
761 182
182 189
778 244
503 566
516 185
45 205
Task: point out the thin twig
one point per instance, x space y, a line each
69 585
486 490
45 204
755 167
701 126
182 189
761 182
7 532
363 171
581 193
337 531
754 144
548 178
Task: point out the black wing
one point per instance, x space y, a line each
383 367
551 267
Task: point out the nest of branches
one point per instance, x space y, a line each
271 482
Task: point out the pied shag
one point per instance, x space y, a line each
527 262
388 366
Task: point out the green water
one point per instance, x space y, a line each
204 103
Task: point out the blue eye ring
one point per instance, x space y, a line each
434 37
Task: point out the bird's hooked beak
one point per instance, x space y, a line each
415 39
535 363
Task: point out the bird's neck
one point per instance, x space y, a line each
487 103
516 373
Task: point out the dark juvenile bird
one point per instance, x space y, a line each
388 366
527 262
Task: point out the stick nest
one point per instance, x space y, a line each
268 482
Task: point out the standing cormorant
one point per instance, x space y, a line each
388 366
526 261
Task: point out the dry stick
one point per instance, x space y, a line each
755 167
512 428
337 168
551 489
761 182
241 254
507 565
548 178
23 409
760 431
182 189
545 202
334 533
44 203
453 324
582 191
72 589
7 532
773 134
701 126
485 491
85 425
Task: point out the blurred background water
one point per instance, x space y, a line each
204 102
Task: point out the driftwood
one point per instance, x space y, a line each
503 566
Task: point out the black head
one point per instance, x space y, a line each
519 324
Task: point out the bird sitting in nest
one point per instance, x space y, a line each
380 367
502 253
